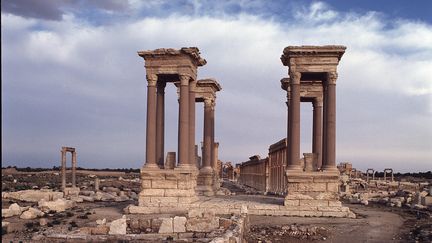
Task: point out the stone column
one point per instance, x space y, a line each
151 123
160 123
324 126
294 126
63 168
288 102
183 145
207 142
317 131
97 184
74 163
192 156
212 127
330 124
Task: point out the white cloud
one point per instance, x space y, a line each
100 64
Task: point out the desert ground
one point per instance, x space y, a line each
375 221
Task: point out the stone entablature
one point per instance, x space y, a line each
172 61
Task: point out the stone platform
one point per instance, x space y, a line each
270 206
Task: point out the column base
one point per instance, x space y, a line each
315 192
167 188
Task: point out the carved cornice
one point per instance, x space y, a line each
317 51
192 52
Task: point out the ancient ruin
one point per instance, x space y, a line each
163 187
74 189
178 195
312 78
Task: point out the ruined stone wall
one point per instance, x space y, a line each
277 182
253 174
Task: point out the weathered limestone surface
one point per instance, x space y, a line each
31 213
13 210
169 188
118 226
33 195
59 205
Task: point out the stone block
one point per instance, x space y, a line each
164 184
179 192
146 184
164 199
179 224
185 184
31 213
333 203
166 225
332 187
307 213
290 202
293 196
202 224
118 227
319 203
311 187
152 192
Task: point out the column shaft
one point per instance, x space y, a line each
63 169
206 162
330 124
183 146
212 127
317 131
74 163
324 126
160 124
287 153
192 156
151 123
294 127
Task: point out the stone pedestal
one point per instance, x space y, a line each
315 192
167 188
205 183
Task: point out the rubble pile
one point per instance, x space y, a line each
197 224
392 194
263 233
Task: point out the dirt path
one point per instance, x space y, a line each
372 225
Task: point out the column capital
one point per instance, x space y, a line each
208 102
331 77
151 79
317 102
294 77
184 79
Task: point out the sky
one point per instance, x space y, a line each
71 76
